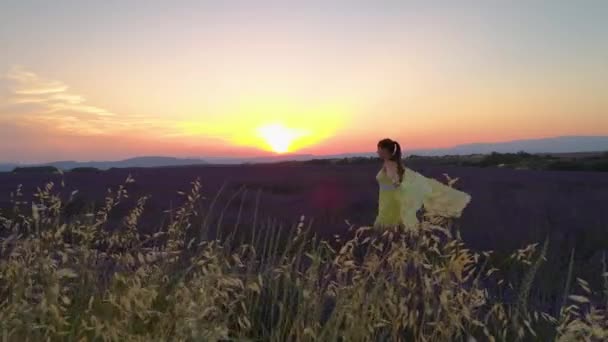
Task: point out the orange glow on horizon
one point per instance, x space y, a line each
276 124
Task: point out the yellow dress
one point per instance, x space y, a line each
389 202
399 205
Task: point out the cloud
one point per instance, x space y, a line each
43 119
28 83
43 104
53 96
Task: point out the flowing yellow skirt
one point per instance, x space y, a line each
438 199
401 205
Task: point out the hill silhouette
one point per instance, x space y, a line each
567 144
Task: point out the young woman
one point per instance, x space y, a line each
403 192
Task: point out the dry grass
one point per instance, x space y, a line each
82 280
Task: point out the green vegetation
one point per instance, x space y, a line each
85 170
36 169
86 279
524 160
520 160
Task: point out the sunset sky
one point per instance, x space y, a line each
105 80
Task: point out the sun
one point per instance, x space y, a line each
278 137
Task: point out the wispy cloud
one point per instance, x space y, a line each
35 101
28 83
45 119
52 96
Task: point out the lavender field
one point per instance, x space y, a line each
509 207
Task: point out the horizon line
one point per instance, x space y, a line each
295 154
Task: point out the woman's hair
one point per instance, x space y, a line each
394 148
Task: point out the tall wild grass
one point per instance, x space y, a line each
86 278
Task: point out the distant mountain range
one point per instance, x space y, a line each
569 144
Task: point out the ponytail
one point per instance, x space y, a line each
397 155
394 149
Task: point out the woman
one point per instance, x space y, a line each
403 192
